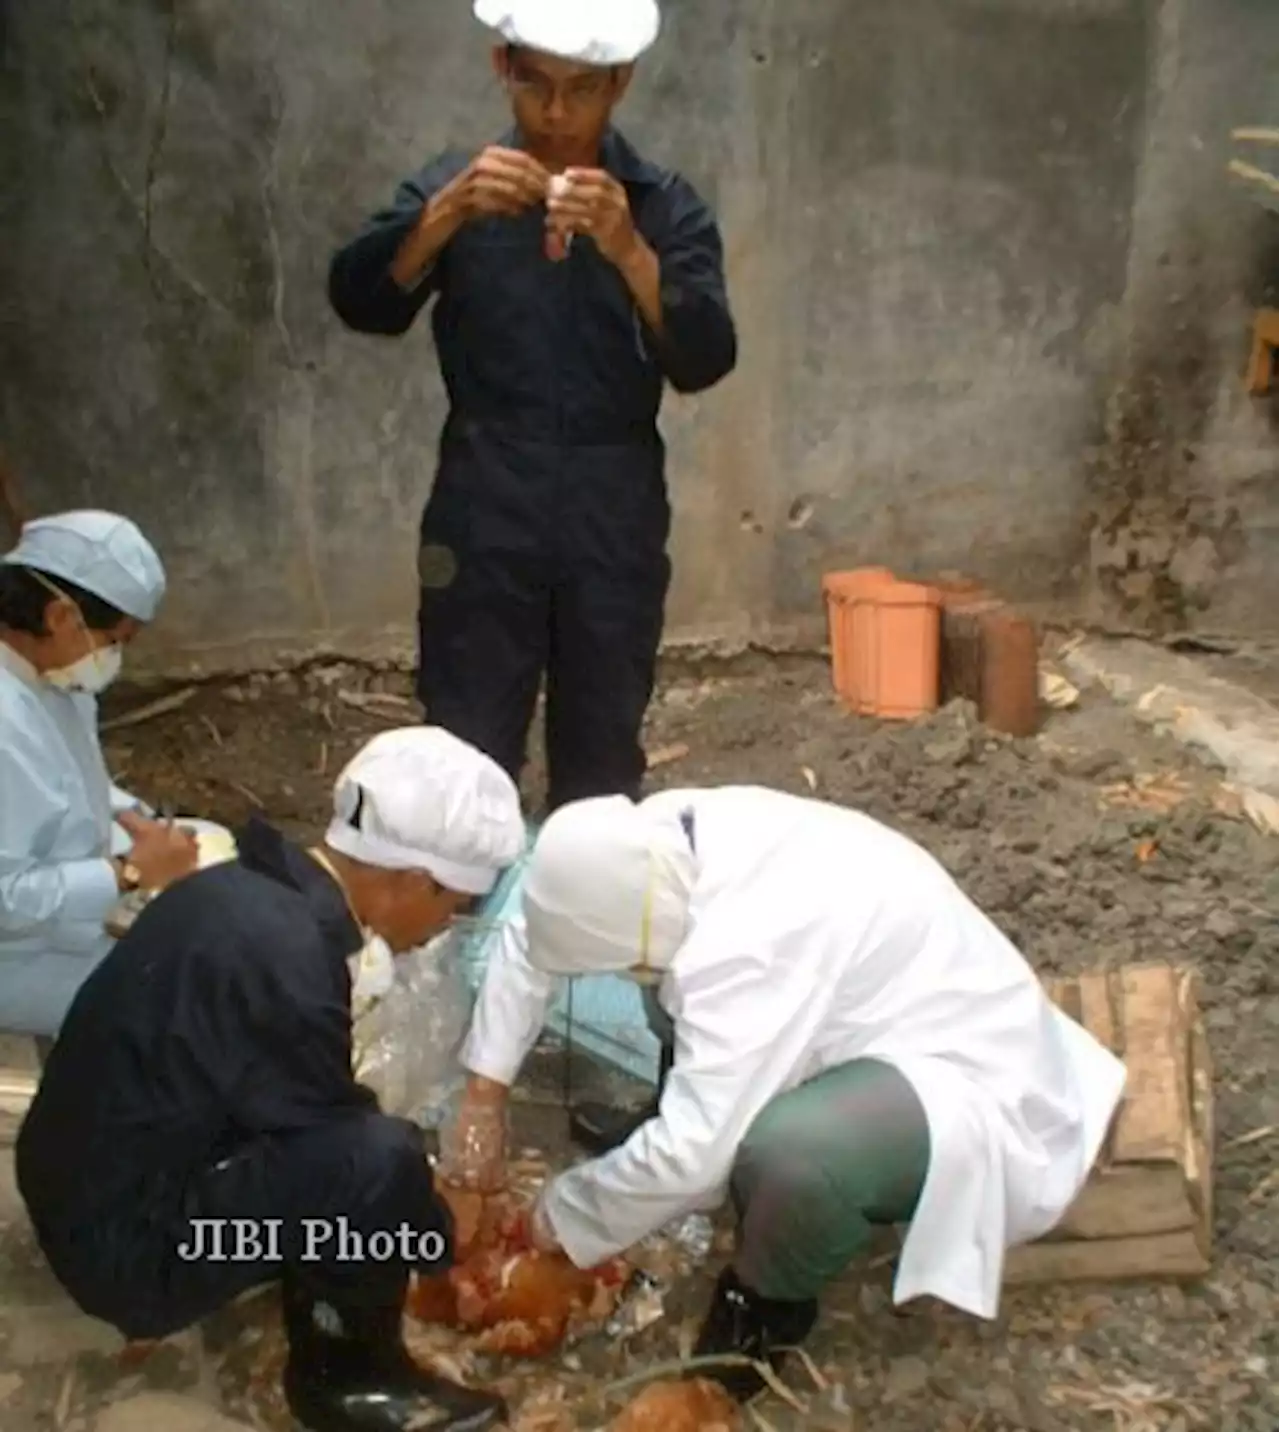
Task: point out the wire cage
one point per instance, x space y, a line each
608 1016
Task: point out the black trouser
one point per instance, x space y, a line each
314 1198
580 599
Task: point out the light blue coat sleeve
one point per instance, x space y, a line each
60 901
122 800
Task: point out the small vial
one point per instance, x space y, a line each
556 246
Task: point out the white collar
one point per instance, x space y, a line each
18 665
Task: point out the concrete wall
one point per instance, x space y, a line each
991 279
1183 488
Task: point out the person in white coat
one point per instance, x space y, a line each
855 1043
73 593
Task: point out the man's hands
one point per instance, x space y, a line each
162 853
497 182
473 1143
501 181
592 202
508 181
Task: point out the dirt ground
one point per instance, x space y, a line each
1040 834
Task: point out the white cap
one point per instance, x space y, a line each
607 888
418 798
593 32
98 551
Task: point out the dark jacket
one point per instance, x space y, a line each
554 380
224 1013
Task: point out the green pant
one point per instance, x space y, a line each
819 1167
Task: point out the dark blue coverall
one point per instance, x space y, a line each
203 1072
544 538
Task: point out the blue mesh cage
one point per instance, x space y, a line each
608 1010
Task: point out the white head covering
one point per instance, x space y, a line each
99 551
420 799
593 32
607 888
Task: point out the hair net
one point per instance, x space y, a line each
420 799
593 32
607 888
99 551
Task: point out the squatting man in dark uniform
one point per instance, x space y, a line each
573 279
203 1074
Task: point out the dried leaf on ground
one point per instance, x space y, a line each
1158 793
665 755
1263 811
1056 690
1133 1407
1228 800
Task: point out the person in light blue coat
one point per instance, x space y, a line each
73 593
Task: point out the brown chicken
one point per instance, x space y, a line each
695 1406
521 1302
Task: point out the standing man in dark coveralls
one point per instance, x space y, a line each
573 279
198 1130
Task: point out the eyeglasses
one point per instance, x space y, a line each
580 92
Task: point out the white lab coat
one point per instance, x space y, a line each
818 936
57 830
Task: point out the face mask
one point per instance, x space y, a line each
373 970
94 672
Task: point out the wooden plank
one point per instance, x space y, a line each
1097 1011
17 1089
1200 1135
1128 1202
1156 1108
1162 1255
1100 1015
1146 1210
1066 995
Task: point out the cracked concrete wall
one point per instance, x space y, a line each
1183 484
949 225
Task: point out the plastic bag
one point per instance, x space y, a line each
406 1045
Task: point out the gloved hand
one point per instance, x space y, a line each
473 1139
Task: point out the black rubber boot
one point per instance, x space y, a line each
600 1128
349 1371
741 1323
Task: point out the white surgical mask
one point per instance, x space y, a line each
93 673
373 970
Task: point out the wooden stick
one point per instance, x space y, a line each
664 755
1258 176
371 700
1257 136
17 1086
17 1089
161 706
